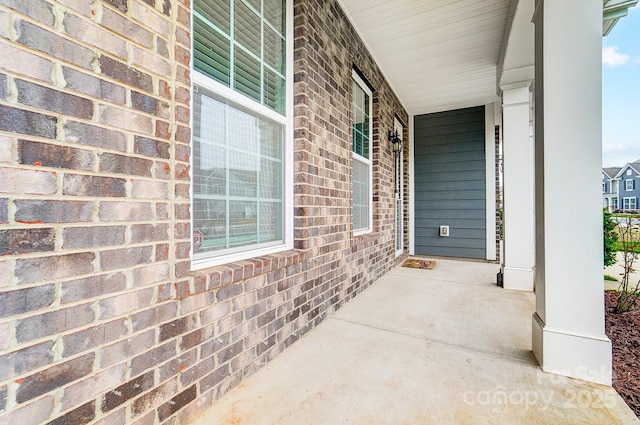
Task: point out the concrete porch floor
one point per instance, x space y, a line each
443 346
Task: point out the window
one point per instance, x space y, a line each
629 184
614 186
614 203
604 187
629 203
240 120
361 174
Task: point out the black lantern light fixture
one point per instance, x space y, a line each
396 142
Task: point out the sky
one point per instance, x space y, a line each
621 92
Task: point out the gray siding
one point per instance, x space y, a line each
450 185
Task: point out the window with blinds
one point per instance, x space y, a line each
242 44
361 170
239 127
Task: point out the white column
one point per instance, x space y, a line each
519 244
568 325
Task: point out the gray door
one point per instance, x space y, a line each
450 183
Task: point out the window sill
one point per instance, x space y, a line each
233 272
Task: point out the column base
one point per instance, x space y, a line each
574 354
518 279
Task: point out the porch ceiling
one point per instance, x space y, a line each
436 54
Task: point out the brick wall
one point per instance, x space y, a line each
101 318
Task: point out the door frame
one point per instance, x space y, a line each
398 192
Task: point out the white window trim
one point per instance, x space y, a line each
629 198
364 86
626 184
287 153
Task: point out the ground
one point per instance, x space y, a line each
624 332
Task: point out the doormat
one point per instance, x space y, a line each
415 263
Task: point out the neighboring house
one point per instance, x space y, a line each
190 186
610 188
628 179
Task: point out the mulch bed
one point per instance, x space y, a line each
624 332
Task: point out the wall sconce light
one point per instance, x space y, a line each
396 143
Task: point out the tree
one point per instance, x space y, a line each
610 238
629 238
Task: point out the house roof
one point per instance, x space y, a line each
633 165
612 171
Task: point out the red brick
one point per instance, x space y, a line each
90 135
53 322
88 339
18 362
149 275
54 377
176 366
36 9
98 186
151 19
177 327
149 61
118 4
154 398
125 211
93 386
26 122
81 415
153 358
149 104
30 270
23 241
116 417
93 86
25 300
127 391
84 7
17 180
121 25
163 130
121 164
26 63
127 303
177 403
50 155
164 89
53 100
149 232
125 257
215 378
151 147
56 46
32 413
36 211
92 287
6 149
125 119
125 74
162 47
148 189
126 349
93 35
